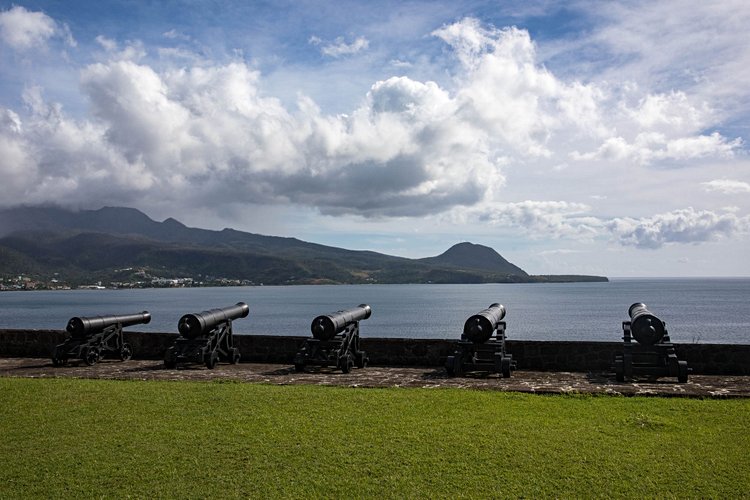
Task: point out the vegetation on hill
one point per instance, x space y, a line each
95 246
478 257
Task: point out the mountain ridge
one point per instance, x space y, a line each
468 255
93 244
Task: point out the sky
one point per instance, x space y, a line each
580 137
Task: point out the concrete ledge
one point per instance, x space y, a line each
709 359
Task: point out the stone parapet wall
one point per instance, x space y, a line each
716 359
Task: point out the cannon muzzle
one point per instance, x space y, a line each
480 327
197 324
81 326
646 328
327 326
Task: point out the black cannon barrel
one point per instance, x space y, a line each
646 328
194 325
479 327
327 326
81 326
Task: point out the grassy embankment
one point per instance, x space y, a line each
71 438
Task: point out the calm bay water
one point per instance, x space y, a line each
696 310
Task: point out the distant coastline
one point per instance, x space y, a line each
119 247
15 285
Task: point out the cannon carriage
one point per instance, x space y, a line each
652 353
95 337
335 341
206 337
482 345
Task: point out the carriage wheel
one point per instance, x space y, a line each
362 359
126 352
619 370
682 372
346 364
458 366
213 358
91 356
170 359
449 366
506 367
234 358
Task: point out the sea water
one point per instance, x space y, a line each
696 310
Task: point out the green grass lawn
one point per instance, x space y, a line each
92 438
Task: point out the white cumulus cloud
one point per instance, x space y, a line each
339 47
23 29
567 220
548 219
727 186
679 226
653 147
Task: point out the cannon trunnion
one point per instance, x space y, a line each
206 337
335 341
653 353
94 337
482 345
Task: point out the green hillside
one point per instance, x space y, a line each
97 245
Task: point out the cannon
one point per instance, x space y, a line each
653 353
206 337
645 328
94 337
482 345
335 341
